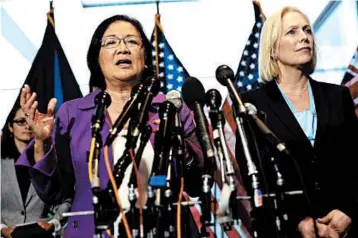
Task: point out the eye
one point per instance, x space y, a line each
132 41
110 42
308 30
291 32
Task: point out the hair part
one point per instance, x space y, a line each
271 32
96 75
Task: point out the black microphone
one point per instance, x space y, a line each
194 97
225 76
140 117
162 144
269 135
137 93
102 100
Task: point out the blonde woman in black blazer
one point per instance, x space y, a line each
317 123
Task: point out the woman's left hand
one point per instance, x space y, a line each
337 220
45 225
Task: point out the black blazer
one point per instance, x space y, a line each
327 167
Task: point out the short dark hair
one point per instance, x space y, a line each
97 77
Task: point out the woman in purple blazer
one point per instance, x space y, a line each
119 57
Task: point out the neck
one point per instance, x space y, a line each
292 80
20 145
120 91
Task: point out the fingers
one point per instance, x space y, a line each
51 107
327 218
30 106
306 228
24 96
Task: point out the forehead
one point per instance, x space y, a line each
19 113
121 28
294 19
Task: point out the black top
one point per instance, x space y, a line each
327 167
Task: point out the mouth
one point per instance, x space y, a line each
124 62
307 49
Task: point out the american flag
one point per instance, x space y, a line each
350 78
247 75
172 73
168 67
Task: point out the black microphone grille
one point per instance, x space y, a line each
224 73
103 98
153 84
213 98
193 91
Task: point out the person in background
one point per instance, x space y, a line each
315 120
119 57
19 201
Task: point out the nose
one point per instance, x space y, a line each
122 48
303 35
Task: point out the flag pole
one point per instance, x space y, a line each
156 22
258 4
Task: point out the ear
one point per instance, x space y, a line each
10 128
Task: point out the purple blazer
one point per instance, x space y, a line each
63 172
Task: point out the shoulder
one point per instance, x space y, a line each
83 103
329 88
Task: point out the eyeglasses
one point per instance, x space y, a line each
131 42
20 121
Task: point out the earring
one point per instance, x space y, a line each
274 57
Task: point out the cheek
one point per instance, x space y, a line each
104 59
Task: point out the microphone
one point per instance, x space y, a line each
280 204
194 97
102 100
179 149
225 76
162 144
174 97
269 135
213 100
140 117
137 93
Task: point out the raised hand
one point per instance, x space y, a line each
40 124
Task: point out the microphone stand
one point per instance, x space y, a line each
229 169
99 219
217 121
252 170
280 204
132 185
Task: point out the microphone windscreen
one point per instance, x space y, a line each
103 98
193 91
174 97
213 98
153 85
224 72
252 110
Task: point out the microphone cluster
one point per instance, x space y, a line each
164 184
